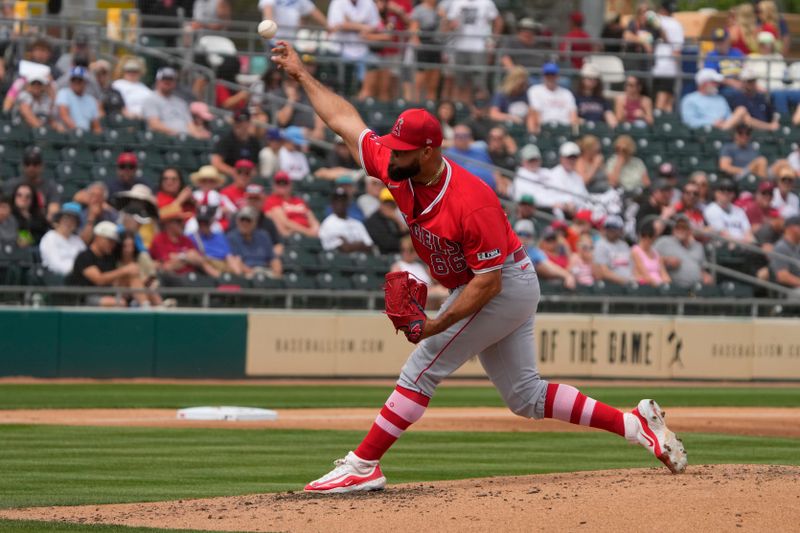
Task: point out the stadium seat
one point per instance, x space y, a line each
264 282
333 261
294 280
327 280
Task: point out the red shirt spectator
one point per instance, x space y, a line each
758 208
576 43
244 176
290 213
171 243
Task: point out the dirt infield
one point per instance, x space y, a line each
706 498
776 422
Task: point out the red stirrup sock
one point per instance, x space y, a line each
403 408
565 402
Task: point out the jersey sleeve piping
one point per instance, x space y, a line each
366 131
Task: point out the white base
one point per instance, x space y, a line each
226 413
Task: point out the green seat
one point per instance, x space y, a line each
335 261
332 281
295 280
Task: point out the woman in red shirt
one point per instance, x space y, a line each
174 196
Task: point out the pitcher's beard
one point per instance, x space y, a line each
404 173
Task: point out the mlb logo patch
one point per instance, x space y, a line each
491 254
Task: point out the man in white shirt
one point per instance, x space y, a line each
666 53
783 199
550 103
347 19
472 22
342 233
725 218
133 91
571 193
288 14
531 176
290 157
60 246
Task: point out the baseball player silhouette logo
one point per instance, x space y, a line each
397 126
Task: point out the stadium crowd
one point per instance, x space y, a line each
597 185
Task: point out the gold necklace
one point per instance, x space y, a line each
436 177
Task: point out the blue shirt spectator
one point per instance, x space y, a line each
213 244
255 251
77 108
705 107
470 155
728 64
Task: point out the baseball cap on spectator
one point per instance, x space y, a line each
414 129
244 163
549 233
201 110
584 215
166 73
101 65
661 184
526 199
792 221
748 73
765 37
707 75
339 193
345 179
241 116
725 185
107 230
524 228
72 209
549 69
590 71
614 222
681 219
528 23
720 34
576 17
247 212
294 134
78 73
281 177
766 187
32 156
530 151
131 65
569 149
274 134
127 158
205 213
386 196
37 76
254 189
667 170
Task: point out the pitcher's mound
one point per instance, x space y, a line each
706 498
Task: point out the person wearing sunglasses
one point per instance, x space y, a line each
783 199
127 165
727 219
48 196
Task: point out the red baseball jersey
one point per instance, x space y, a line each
458 226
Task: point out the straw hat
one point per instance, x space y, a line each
207 172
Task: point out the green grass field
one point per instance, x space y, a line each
60 465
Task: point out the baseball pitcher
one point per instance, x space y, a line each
461 232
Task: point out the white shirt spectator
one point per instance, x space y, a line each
135 94
788 207
552 106
417 269
294 163
58 253
733 220
335 231
794 160
205 11
287 14
225 207
474 18
532 183
362 12
572 190
666 64
267 162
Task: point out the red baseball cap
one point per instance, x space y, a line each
414 129
244 163
127 158
281 176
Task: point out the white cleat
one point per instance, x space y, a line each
352 474
645 425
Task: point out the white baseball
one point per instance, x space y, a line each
267 28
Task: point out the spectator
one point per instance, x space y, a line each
236 145
478 120
296 109
581 263
34 105
657 206
700 179
501 148
339 162
48 196
31 222
550 103
268 163
166 112
96 266
235 192
510 103
770 20
705 107
207 181
138 211
174 252
134 93
61 245
76 108
386 227
526 209
209 15
446 113
369 202
787 272
473 157
725 60
739 158
289 16
110 99
545 268
766 54
640 34
612 254
40 52
347 22
213 244
591 105
633 106
576 43
554 247
530 177
340 232
173 195
255 199
225 97
760 114
570 192
395 16
667 171
667 56
9 231
725 218
624 169
127 165
291 158
95 209
744 29
348 184
472 22
290 213
254 246
91 85
690 206
783 199
409 262
759 210
162 16
425 23
682 255
648 265
201 116
525 49
590 164
612 32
